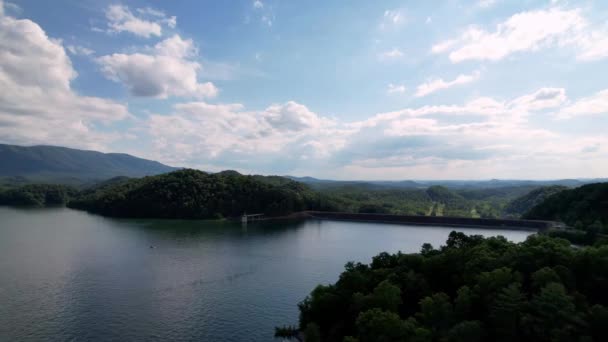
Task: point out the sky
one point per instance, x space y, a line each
455 89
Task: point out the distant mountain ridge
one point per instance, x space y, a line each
62 164
452 184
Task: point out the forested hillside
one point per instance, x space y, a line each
471 289
434 200
196 195
37 195
580 206
521 205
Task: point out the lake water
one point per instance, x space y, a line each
69 275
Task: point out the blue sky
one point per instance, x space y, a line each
456 89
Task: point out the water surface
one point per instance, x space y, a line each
69 275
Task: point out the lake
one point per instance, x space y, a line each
70 275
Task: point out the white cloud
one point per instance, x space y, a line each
489 136
258 4
525 31
395 88
541 99
439 84
168 71
121 19
79 50
390 54
198 131
152 12
444 46
37 103
593 45
592 105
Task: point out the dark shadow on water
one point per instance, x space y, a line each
200 228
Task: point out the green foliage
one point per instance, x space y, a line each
286 332
466 331
552 316
196 195
311 333
583 206
522 204
471 289
376 325
433 201
37 195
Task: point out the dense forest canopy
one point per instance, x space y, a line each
522 204
37 195
580 206
471 289
196 194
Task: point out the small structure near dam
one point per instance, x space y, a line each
251 217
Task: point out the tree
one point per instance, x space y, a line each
466 331
376 325
387 296
540 290
312 333
599 322
436 313
506 312
463 303
553 316
543 277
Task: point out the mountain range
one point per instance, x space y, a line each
55 164
71 166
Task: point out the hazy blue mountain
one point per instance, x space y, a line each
380 184
452 184
67 165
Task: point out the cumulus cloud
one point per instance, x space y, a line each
541 99
169 70
424 140
258 4
79 50
528 31
592 105
491 136
121 19
199 132
37 103
439 84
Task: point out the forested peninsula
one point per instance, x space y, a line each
193 194
471 289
